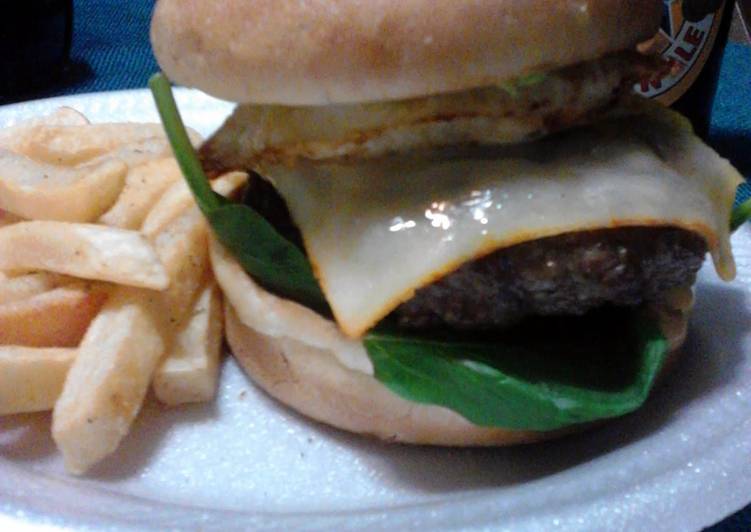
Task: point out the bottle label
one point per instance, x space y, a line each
686 38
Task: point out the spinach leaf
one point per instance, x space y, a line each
740 215
272 260
185 155
521 383
514 86
277 264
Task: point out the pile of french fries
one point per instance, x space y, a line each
105 282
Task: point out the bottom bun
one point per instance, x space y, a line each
312 381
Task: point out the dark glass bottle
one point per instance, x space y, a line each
35 39
693 36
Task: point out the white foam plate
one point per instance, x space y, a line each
681 463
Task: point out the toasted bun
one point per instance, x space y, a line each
313 382
343 51
297 360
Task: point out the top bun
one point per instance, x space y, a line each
317 52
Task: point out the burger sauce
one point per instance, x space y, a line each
692 37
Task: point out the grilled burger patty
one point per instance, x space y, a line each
567 274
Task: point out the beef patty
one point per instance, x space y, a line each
568 274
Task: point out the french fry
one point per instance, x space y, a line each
14 136
120 352
38 191
183 250
181 240
25 286
144 185
62 116
31 379
59 317
228 184
7 218
144 150
74 145
82 250
107 383
189 372
171 204
177 198
137 153
91 350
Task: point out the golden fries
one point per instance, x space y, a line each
108 381
137 153
38 191
105 283
7 218
25 286
177 198
190 370
62 116
82 250
182 247
31 379
144 185
74 145
11 137
187 261
94 414
58 318
67 138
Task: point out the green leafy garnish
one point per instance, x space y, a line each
518 382
740 215
277 264
513 86
530 79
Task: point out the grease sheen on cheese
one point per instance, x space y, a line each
378 230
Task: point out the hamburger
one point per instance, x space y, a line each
460 227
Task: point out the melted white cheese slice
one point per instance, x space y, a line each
376 231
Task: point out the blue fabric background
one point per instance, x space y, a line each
111 47
111 51
731 119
